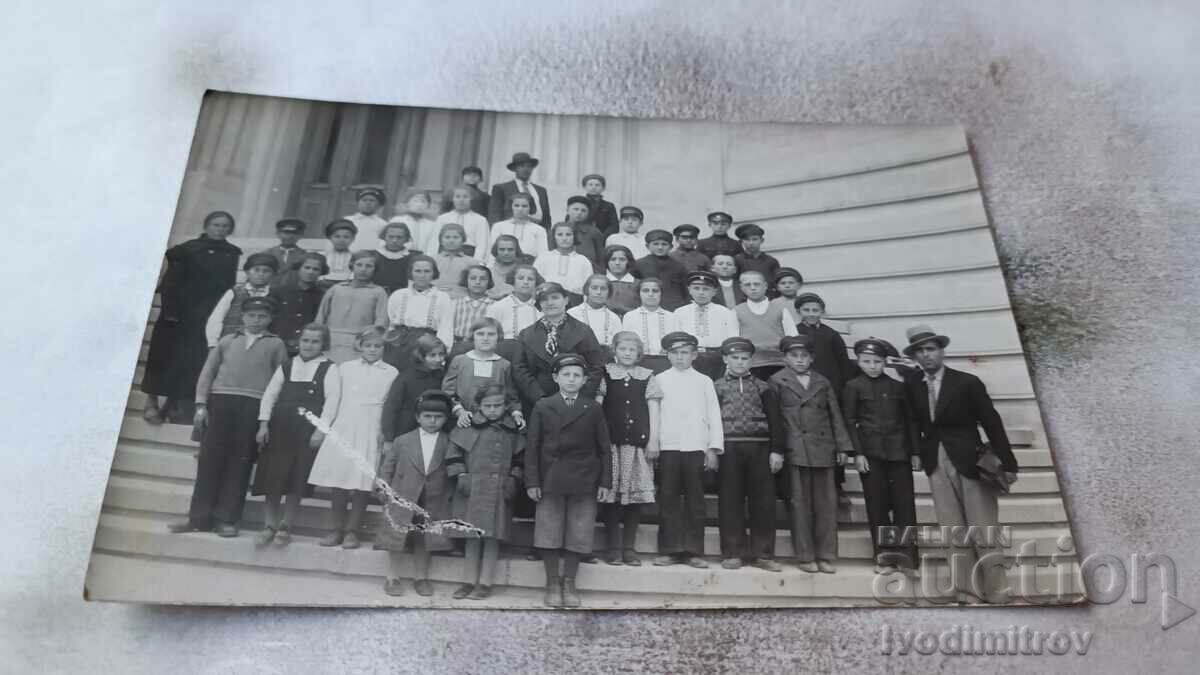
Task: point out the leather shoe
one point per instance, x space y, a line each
481 592
333 538
350 540
423 587
698 562
394 587
826 567
463 591
766 564
732 563
226 530
810 567
664 560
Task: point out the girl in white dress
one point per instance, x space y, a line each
365 384
531 235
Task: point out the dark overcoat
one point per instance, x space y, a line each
878 417
963 405
498 208
568 450
531 361
486 459
810 425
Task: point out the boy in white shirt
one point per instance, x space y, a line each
764 322
629 236
475 226
690 438
711 323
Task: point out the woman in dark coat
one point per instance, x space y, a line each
198 273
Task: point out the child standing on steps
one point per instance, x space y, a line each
350 307
415 468
568 468
341 234
228 394
812 435
356 423
630 395
428 366
469 373
226 317
473 306
289 443
594 311
485 457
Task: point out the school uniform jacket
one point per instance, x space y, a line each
810 429
879 419
567 448
531 362
963 405
498 208
404 470
604 215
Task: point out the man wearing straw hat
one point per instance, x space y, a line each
948 407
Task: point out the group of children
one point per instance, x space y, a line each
715 362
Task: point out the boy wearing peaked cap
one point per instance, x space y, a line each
690 437
288 252
685 248
812 435
745 480
876 410
369 201
660 265
720 242
228 395
568 467
709 322
226 317
752 256
629 236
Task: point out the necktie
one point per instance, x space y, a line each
929 382
702 320
570 401
551 339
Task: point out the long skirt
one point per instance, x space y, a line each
177 354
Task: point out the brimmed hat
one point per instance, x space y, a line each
719 215
563 360
264 259
703 277
737 344
549 288
808 297
658 235
265 302
677 339
685 229
522 158
920 334
632 211
876 346
434 400
342 224
791 342
371 192
785 272
748 230
291 225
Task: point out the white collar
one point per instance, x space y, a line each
656 310
588 308
725 282
758 303
426 434
937 375
427 291
476 356
391 255
531 302
629 278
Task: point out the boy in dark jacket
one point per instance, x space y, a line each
885 451
568 467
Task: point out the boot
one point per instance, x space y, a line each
570 597
554 596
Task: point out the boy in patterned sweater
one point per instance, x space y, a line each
745 472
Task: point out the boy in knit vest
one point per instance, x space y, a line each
228 393
765 323
226 317
746 466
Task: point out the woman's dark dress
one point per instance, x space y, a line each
198 273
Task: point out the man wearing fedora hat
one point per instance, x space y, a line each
948 406
522 166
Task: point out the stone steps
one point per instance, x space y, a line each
200 567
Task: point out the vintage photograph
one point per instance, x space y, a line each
421 357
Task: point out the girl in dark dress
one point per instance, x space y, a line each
198 273
624 297
289 443
393 257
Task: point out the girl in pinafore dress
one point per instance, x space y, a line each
289 443
351 307
631 396
486 456
420 309
365 384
